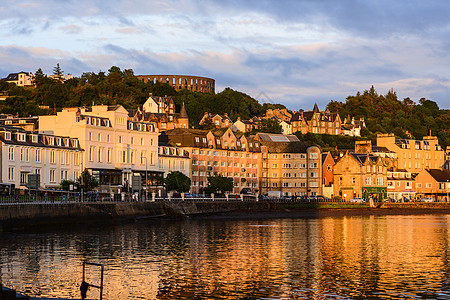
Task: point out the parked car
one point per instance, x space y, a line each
427 200
357 200
246 191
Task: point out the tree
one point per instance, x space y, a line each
87 181
269 126
177 181
58 73
65 184
219 183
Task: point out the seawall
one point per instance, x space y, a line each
58 213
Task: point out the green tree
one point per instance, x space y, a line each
65 184
177 181
58 72
87 181
219 184
269 126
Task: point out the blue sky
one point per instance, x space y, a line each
293 52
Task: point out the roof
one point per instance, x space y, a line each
277 138
439 175
363 157
287 147
183 113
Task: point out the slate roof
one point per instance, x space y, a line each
440 175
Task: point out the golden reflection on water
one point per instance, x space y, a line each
349 257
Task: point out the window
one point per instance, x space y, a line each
313 155
368 181
313 165
11 173
52 175
38 155
53 157
11 153
91 153
108 155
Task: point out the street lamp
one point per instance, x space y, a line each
446 187
146 178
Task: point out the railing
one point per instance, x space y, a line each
128 197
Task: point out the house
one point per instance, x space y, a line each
20 79
434 183
400 184
246 125
219 121
316 121
352 127
161 111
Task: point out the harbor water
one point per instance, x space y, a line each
355 257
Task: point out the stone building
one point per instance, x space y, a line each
289 166
219 121
414 155
360 175
161 111
221 152
316 121
327 174
178 82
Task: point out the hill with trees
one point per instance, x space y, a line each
382 113
387 114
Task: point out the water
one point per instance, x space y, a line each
393 257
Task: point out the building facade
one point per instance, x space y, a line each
414 155
316 121
433 183
20 79
54 158
116 148
360 175
220 152
289 166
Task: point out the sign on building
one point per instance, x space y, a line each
136 183
34 181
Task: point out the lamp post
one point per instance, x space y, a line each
146 178
446 187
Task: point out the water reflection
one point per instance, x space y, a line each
351 257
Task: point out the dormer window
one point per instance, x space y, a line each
34 138
75 143
51 141
8 136
21 137
59 141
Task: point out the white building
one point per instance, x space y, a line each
115 147
55 158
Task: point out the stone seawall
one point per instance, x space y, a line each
29 214
53 213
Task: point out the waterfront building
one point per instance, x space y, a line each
400 184
327 174
116 148
221 152
414 155
20 79
360 175
289 166
54 158
434 183
171 159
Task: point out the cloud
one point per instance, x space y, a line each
71 29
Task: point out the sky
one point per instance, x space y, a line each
293 52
